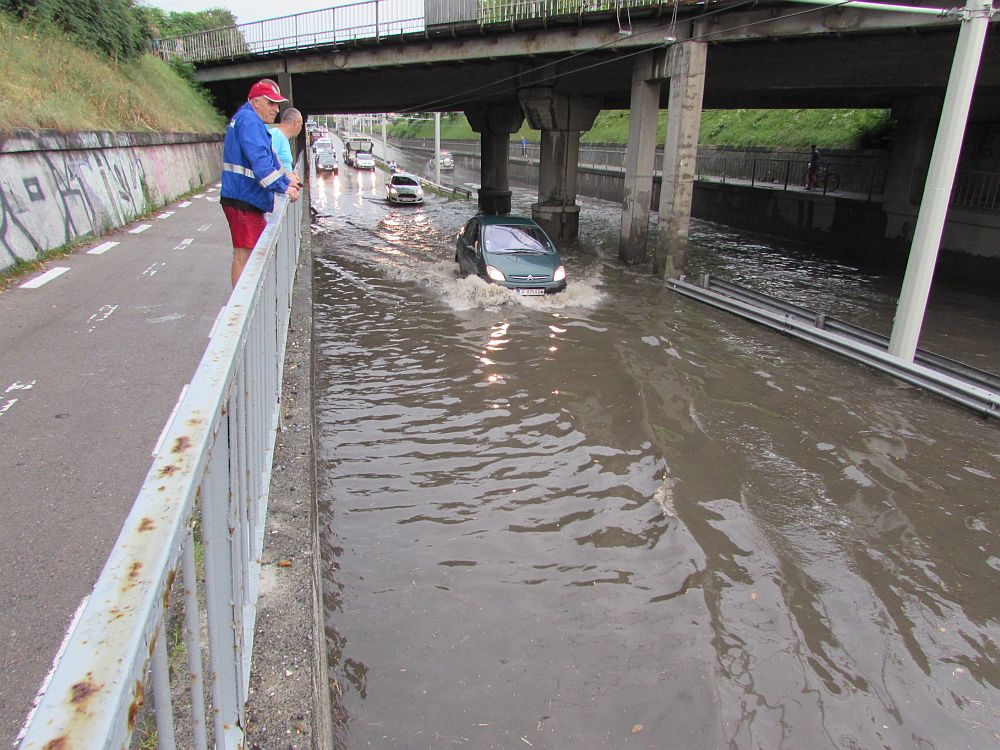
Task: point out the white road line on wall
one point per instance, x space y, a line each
184 243
165 215
100 316
52 669
216 323
163 433
140 229
102 248
185 204
45 278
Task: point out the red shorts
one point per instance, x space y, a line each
246 227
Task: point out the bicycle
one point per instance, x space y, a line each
821 176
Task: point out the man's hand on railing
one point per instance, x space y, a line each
292 193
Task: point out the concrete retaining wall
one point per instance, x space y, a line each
59 187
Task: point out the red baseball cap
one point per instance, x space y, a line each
267 90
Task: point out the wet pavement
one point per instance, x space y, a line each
617 518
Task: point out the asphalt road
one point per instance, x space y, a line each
92 364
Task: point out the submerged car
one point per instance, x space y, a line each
512 251
326 161
403 187
364 160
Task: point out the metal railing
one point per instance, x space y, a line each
206 492
373 20
976 190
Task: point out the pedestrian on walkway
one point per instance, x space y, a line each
524 146
251 172
812 176
289 127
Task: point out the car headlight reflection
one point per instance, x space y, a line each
560 274
495 273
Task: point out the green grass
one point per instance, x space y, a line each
793 128
50 82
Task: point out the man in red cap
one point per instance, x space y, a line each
251 172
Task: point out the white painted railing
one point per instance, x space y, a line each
201 512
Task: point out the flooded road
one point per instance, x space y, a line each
618 518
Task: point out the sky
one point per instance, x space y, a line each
246 10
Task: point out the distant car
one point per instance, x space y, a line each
512 251
446 160
403 187
326 161
364 160
322 144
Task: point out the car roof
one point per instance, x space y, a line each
489 220
405 174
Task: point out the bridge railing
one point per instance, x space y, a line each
200 512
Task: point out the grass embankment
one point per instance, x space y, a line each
794 128
50 82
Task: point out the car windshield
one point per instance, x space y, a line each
509 238
404 181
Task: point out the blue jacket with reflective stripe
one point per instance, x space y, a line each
250 170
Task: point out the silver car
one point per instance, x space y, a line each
403 187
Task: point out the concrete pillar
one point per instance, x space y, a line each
561 119
495 123
284 81
912 143
686 63
640 157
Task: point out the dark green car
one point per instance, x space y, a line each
512 251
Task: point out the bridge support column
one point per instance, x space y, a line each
686 63
495 123
640 156
561 119
912 142
284 81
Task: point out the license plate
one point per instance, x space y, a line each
531 292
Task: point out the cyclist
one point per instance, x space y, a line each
812 178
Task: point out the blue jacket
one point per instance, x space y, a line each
250 170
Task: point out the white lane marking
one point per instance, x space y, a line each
216 323
101 315
16 386
212 189
5 407
218 184
165 215
151 271
45 278
102 248
185 204
140 229
48 678
204 227
170 419
184 243
212 200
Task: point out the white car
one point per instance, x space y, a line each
364 160
403 187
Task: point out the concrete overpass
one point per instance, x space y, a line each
558 69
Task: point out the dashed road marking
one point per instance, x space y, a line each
165 215
153 269
100 316
45 278
204 227
16 386
140 229
184 243
212 200
102 248
185 204
6 406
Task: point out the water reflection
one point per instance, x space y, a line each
623 519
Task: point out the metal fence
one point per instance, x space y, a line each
202 511
376 20
976 190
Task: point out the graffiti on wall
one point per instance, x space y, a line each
49 198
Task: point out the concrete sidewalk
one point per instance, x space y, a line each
93 362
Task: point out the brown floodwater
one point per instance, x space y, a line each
618 518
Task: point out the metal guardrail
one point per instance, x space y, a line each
965 385
216 459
